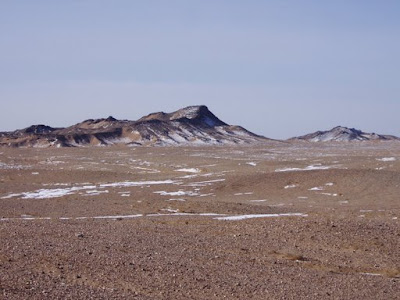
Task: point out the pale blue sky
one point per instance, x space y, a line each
279 68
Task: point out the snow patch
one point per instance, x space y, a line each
290 186
317 188
386 159
138 183
244 217
309 168
178 193
189 170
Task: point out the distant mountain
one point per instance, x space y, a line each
340 134
193 125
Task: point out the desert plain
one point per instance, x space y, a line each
280 220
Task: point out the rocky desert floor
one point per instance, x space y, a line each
276 221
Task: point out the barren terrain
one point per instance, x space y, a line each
283 220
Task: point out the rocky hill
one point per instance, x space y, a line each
193 125
341 134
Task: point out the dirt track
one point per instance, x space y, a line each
147 223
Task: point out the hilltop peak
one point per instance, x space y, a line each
38 129
341 133
198 115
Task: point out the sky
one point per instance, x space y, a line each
280 68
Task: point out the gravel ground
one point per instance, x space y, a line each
128 223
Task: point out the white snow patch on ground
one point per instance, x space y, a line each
251 163
189 170
207 195
317 188
138 183
309 168
329 194
170 210
17 167
290 186
386 159
244 217
173 213
188 176
371 274
302 197
91 189
117 217
95 192
49 193
184 214
329 184
178 193
241 194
